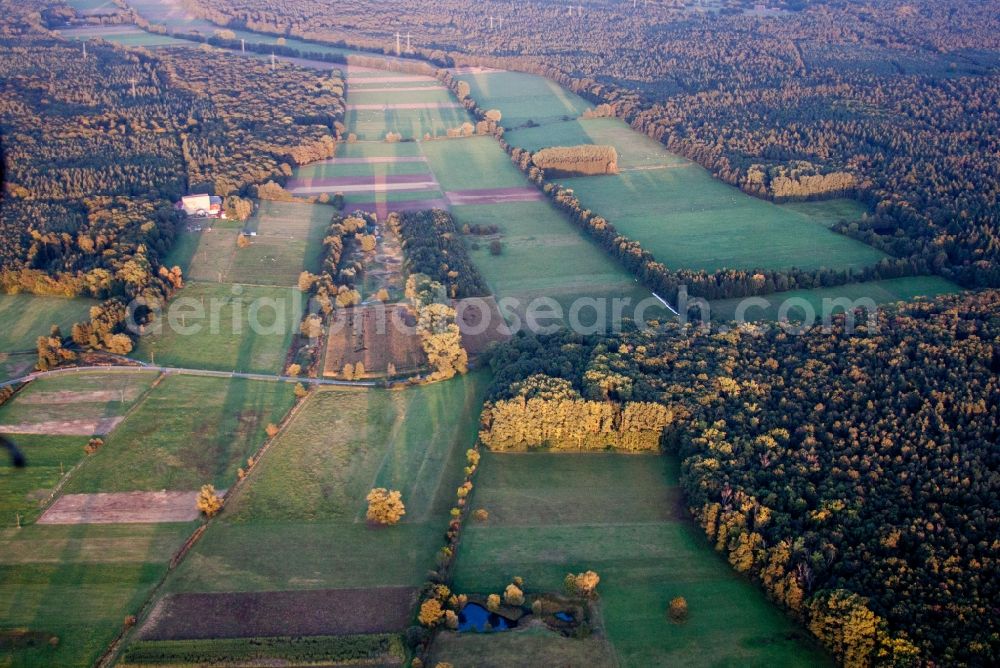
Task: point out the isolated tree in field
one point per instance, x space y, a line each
271 430
678 610
496 248
385 506
242 241
481 515
208 503
493 602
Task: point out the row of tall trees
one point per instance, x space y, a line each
433 246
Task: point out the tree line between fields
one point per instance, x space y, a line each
856 478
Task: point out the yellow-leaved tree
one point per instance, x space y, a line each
385 506
208 503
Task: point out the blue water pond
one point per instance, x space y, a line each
475 617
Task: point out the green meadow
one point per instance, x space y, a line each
224 327
71 587
410 123
188 431
543 255
524 98
688 219
89 395
288 241
622 516
880 292
472 163
304 507
26 317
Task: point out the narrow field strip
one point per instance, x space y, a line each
493 196
368 182
407 78
280 613
123 508
81 427
403 105
374 160
362 188
401 89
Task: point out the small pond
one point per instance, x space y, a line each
475 617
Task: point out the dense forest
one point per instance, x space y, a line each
97 149
894 103
854 475
433 246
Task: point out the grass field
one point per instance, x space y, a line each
225 338
188 431
410 123
23 490
378 149
26 317
87 397
688 219
358 95
622 516
537 646
17 365
77 584
289 240
524 97
304 509
471 162
881 292
544 256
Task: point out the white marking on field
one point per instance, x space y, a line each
664 302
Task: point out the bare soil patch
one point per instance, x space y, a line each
376 336
123 508
481 323
71 397
83 427
280 613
